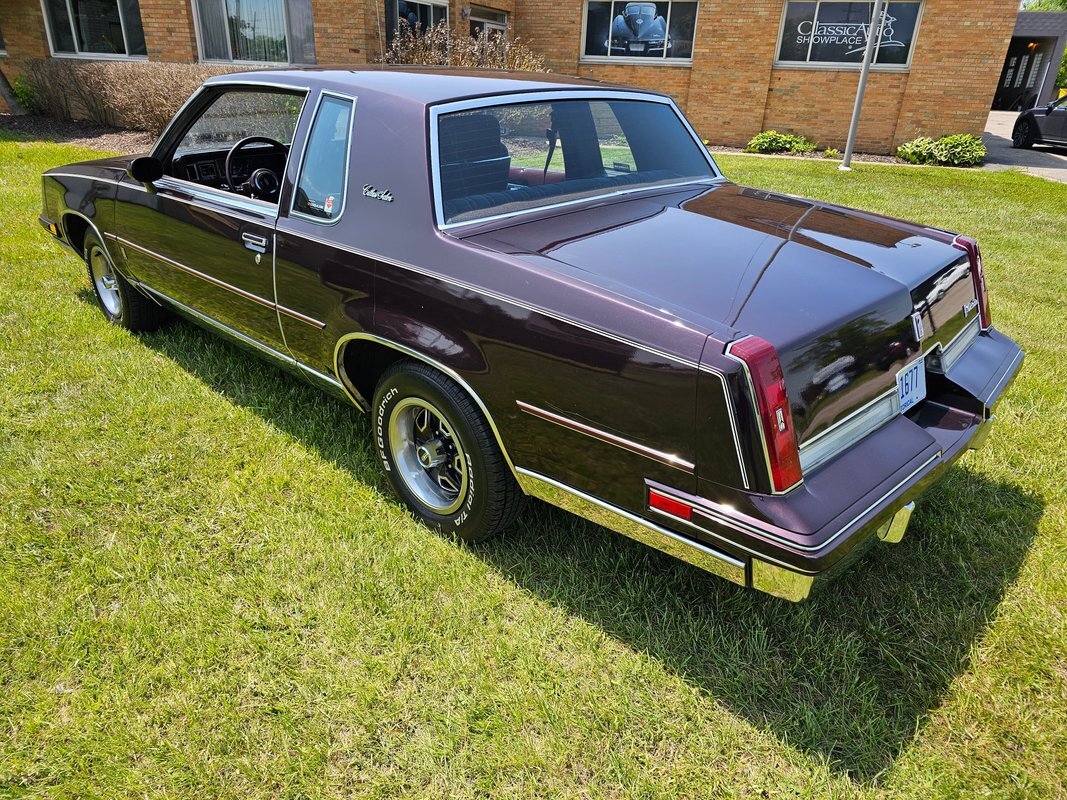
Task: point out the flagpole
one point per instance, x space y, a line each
868 56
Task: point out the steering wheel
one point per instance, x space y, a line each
262 183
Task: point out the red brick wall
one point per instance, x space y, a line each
24 36
169 34
731 91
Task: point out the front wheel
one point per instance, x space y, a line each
1022 138
440 455
121 303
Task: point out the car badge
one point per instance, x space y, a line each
969 307
917 326
384 195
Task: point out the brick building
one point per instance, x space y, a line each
736 66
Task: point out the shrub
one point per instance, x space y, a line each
774 142
917 151
831 152
26 95
958 150
442 47
143 96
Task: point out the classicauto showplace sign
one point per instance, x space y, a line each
833 32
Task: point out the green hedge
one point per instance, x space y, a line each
774 142
959 150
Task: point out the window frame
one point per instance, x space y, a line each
643 60
198 26
844 65
74 34
292 212
191 110
396 14
440 109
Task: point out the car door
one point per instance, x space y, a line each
193 237
1054 125
324 282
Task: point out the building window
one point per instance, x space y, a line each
833 33
622 30
3 44
488 21
265 31
97 28
418 16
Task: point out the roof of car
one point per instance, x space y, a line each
425 85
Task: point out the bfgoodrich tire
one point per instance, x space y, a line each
440 455
118 300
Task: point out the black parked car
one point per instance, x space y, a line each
758 384
1042 125
639 31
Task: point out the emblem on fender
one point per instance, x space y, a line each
378 194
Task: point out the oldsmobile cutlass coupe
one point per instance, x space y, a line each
544 286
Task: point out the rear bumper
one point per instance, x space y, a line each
792 544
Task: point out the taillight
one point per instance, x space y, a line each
974 255
772 402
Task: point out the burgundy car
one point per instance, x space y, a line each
544 286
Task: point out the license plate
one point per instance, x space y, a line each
637 48
911 384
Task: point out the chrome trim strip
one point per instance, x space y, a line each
595 93
304 151
718 513
759 422
950 353
1008 372
354 396
230 200
632 526
255 298
258 345
610 438
859 424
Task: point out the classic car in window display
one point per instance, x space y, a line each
544 286
639 31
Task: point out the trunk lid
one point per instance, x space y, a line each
833 289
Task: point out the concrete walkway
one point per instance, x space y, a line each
1042 160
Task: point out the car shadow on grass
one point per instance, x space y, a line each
848 678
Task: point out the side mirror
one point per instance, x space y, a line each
145 169
1050 107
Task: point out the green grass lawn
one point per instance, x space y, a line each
206 590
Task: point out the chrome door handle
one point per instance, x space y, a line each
255 242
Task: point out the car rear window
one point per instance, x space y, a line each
504 159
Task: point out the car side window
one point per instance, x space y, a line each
320 186
238 114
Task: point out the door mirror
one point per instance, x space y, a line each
1050 107
145 169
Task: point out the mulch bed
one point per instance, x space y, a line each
82 134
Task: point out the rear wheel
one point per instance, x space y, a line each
1022 137
120 302
440 455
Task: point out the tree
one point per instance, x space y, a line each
1044 5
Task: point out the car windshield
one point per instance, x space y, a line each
503 159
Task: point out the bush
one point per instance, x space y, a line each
961 150
917 151
774 142
142 96
958 150
442 47
26 95
831 152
